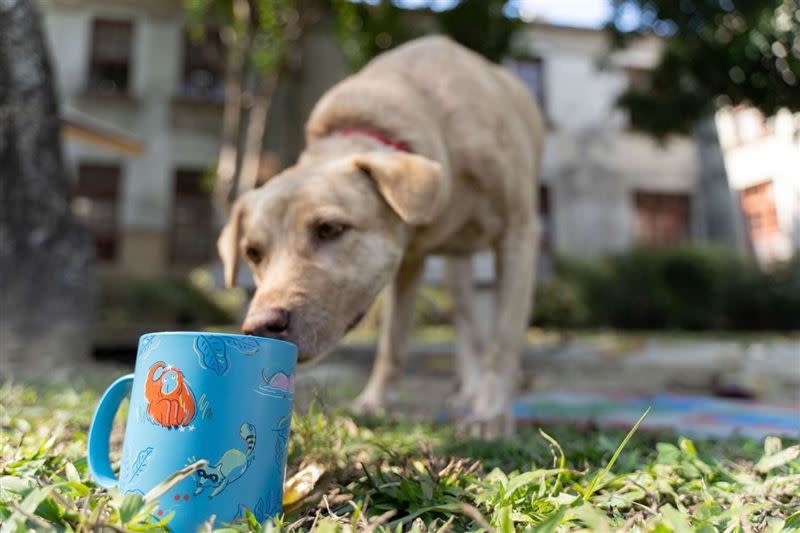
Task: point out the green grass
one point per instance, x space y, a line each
394 474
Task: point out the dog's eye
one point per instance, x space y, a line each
328 231
253 254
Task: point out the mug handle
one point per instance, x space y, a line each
100 432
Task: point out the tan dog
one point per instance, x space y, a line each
430 149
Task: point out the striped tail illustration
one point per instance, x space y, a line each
248 433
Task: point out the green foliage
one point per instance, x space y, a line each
764 300
397 475
274 35
199 13
165 300
433 306
671 288
367 30
481 26
688 287
267 27
561 304
723 52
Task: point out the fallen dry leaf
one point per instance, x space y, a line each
302 483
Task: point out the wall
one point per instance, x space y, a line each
150 111
592 161
756 152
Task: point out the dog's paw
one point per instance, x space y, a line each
459 400
491 415
501 426
464 395
367 404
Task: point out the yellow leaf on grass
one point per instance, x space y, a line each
302 483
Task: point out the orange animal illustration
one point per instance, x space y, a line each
170 401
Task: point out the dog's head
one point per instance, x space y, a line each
323 238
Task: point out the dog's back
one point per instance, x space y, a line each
445 101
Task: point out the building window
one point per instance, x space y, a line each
531 72
203 67
109 66
662 219
192 234
95 202
639 79
758 206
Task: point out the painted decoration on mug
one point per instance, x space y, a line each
230 467
147 345
274 505
242 345
278 385
282 440
170 400
128 470
204 407
263 509
212 351
259 511
175 501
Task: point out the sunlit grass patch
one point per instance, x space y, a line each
395 474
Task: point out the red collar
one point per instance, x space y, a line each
397 145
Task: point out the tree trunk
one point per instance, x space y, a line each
720 217
46 257
228 164
254 139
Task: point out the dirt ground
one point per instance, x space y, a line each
761 368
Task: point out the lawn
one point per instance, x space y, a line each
395 474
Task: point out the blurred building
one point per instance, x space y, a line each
142 112
762 157
604 187
127 68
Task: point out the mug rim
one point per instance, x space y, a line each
220 334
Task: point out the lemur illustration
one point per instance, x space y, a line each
170 400
231 466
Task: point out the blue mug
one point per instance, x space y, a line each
225 399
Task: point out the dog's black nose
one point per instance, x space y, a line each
267 323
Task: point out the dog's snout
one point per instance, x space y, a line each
271 322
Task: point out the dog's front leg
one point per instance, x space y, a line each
515 256
470 342
398 310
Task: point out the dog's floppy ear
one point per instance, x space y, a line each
411 184
228 243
